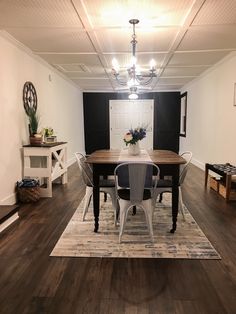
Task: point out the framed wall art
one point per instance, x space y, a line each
183 114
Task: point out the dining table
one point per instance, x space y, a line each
105 161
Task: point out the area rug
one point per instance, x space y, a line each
188 242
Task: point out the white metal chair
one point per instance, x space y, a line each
106 185
164 186
134 187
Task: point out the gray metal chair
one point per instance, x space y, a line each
105 185
164 186
134 187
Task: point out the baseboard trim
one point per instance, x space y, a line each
9 200
71 161
198 163
8 222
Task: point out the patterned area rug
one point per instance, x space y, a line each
188 242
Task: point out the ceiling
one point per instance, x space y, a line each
81 37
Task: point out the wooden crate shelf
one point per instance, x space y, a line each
218 185
214 183
222 192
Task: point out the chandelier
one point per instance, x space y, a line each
135 79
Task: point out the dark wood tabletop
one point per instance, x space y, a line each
161 157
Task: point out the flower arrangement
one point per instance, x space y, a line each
135 135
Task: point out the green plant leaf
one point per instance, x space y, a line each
33 120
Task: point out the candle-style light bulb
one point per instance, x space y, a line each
115 65
133 61
152 64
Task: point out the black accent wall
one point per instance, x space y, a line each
166 119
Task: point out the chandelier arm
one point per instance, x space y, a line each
123 83
148 81
142 82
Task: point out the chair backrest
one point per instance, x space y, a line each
184 168
136 176
86 171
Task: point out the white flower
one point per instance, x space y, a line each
128 137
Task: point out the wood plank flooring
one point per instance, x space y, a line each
33 282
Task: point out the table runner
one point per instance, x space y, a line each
143 156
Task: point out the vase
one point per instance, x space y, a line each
134 149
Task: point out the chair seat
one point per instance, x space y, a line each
164 183
125 194
107 183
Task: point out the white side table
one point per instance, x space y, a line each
47 162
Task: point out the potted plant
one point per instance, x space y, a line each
35 137
49 136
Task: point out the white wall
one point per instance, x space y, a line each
60 106
211 116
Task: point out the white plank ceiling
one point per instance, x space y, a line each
81 37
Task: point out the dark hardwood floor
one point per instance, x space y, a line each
33 282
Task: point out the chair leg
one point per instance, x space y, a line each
115 205
88 195
117 214
123 216
148 210
181 204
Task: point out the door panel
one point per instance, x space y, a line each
126 114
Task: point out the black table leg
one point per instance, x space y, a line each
96 201
175 197
134 211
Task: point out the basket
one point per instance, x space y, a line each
28 194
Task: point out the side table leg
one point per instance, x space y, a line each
228 186
206 174
64 178
64 159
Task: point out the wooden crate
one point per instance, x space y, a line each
214 184
222 192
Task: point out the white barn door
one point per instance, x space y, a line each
126 114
